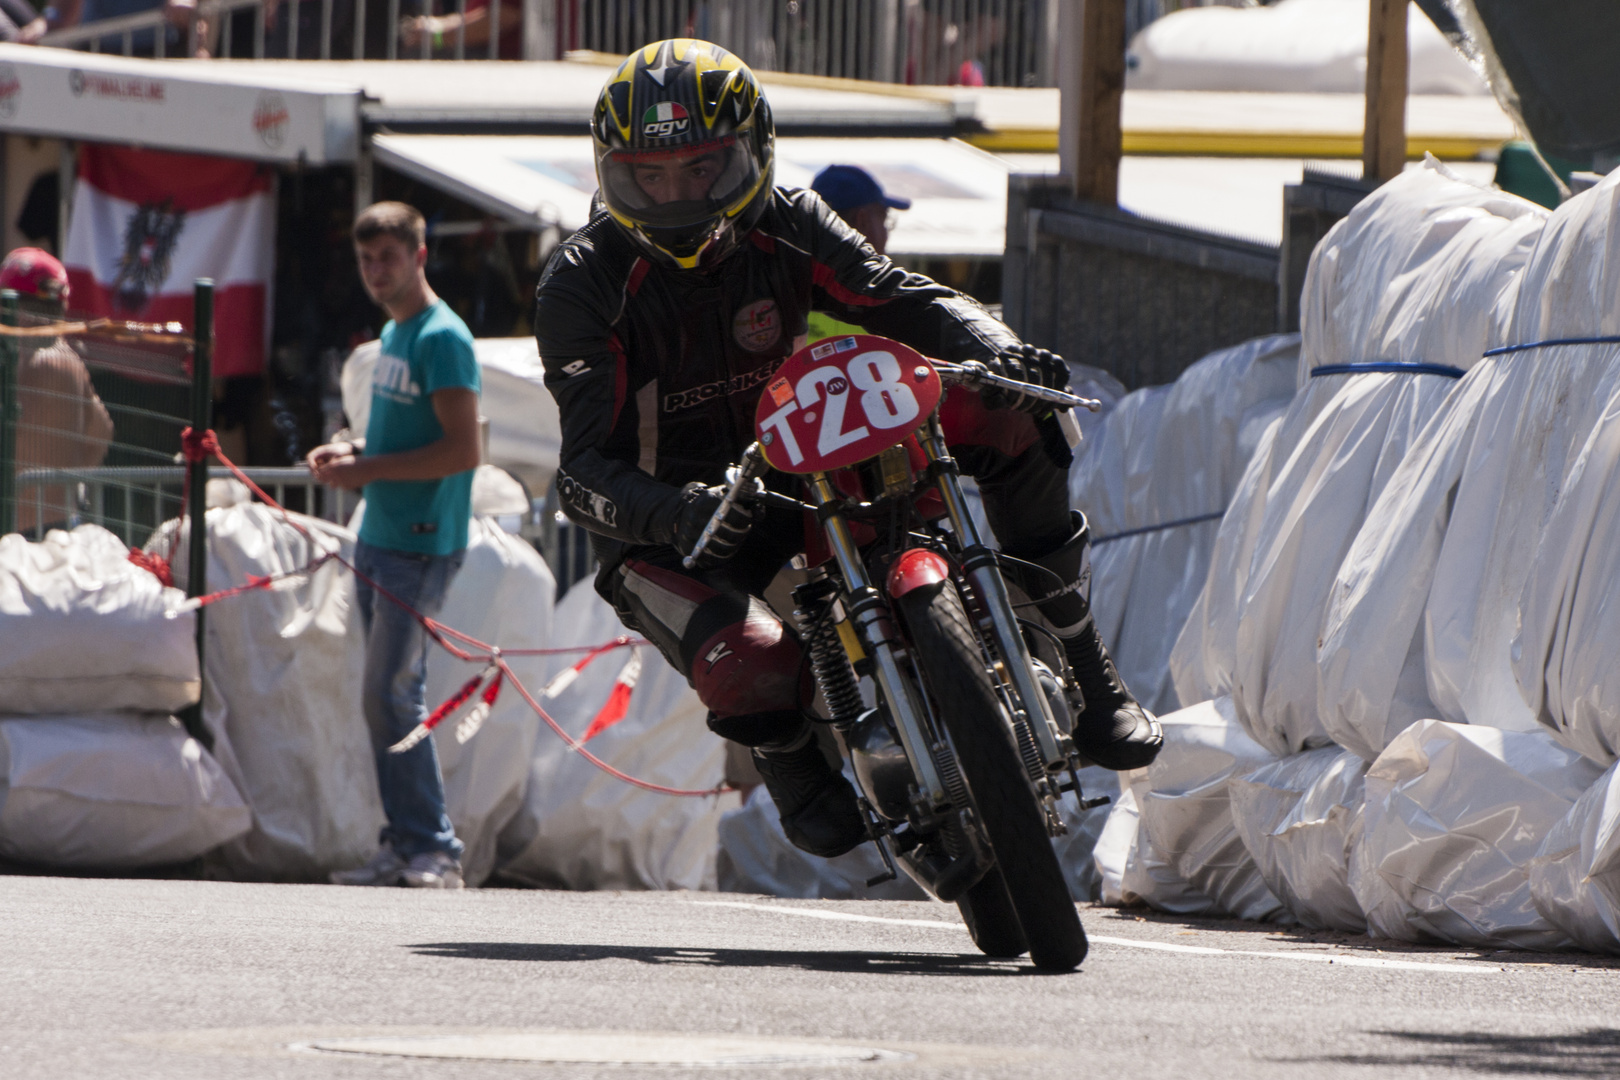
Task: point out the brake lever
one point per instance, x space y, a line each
974 374
743 480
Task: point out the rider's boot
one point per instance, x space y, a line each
1111 728
816 803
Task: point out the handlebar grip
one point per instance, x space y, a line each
752 459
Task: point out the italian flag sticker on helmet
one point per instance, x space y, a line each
664 119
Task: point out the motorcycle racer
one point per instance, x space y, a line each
659 323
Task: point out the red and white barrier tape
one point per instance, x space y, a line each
198 447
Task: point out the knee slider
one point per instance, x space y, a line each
751 666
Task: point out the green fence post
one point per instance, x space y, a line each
10 415
202 418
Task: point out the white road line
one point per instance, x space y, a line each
1333 959
835 916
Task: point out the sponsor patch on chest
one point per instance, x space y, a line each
757 326
697 395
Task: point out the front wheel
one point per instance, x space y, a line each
957 681
992 922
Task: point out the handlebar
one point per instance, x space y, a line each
741 478
743 481
975 374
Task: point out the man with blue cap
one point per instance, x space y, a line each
854 195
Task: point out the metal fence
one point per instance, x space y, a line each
930 42
133 501
92 404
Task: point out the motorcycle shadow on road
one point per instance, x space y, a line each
855 963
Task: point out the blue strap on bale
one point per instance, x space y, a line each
1550 342
1392 367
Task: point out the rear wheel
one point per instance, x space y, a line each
953 670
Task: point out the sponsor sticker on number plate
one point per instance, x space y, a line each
781 391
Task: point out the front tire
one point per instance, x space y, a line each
954 673
991 921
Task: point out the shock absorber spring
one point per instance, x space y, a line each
829 664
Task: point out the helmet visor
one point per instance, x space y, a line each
688 187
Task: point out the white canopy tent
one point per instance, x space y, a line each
958 193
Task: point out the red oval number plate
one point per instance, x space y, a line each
843 400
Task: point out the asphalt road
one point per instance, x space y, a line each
191 979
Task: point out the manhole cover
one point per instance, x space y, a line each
614 1048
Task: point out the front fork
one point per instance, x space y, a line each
869 614
982 572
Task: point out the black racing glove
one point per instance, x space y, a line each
1030 364
698 504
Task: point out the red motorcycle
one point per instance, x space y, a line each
966 752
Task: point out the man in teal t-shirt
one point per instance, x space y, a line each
416 468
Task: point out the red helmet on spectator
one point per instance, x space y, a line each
33 272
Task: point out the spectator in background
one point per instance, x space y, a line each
440 31
20 24
63 14
948 42
416 468
854 195
64 425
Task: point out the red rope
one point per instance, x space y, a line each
198 447
579 748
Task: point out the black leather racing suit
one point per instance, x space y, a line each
657 372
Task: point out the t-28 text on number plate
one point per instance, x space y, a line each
842 401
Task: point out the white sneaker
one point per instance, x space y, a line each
384 868
432 870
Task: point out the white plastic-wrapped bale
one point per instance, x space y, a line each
1569 611
1187 815
1076 847
1299 818
282 700
1371 670
116 791
503 594
1153 479
1454 813
1204 656
85 629
1296 46
1575 877
1446 555
1129 870
581 828
1398 302
284 684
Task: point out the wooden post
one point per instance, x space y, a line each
1383 139
1091 62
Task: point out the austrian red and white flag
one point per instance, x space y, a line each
147 224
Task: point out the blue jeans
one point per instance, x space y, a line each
395 693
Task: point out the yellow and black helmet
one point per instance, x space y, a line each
685 150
